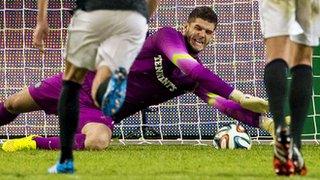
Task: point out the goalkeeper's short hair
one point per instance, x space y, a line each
205 13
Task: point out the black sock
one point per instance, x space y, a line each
68 111
300 96
275 79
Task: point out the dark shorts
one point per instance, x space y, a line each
46 94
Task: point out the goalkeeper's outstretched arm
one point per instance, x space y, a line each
235 110
170 43
228 107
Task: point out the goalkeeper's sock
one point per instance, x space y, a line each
53 143
68 111
5 116
275 79
299 100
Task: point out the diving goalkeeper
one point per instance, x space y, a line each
167 66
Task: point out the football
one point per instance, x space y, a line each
232 136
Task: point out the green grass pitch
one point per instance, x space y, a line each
156 162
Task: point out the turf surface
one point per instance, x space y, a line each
156 162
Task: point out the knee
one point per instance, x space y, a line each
98 136
98 142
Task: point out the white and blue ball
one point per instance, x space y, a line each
232 136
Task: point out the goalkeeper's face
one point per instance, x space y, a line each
198 33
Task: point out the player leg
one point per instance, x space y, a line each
94 135
87 31
68 112
42 96
94 131
275 77
17 103
54 143
102 78
84 37
118 53
277 23
307 14
299 99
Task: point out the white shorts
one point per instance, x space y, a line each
300 19
110 38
